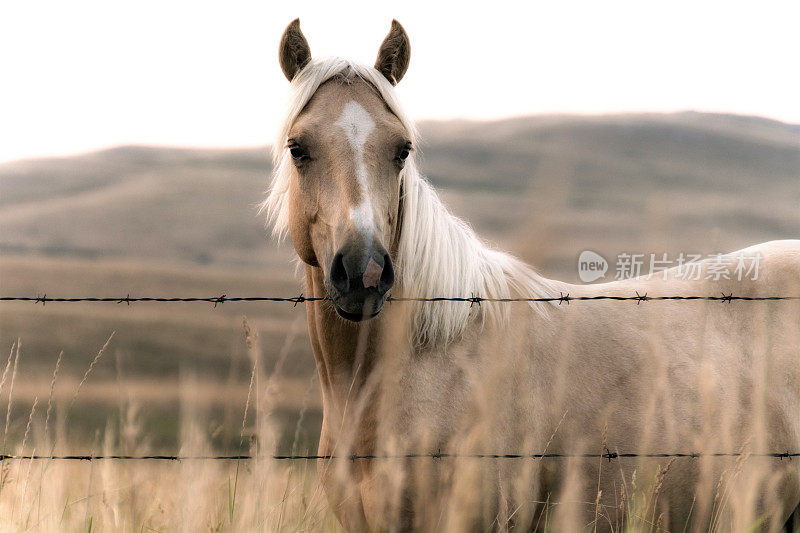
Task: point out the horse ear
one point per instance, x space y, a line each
394 55
294 52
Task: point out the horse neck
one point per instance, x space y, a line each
346 353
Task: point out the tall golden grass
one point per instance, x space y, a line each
264 494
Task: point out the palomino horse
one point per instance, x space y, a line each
578 379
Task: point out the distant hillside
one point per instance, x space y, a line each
587 181
739 176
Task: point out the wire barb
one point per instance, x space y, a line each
727 298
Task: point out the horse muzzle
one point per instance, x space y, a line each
358 282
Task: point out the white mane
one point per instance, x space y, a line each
439 255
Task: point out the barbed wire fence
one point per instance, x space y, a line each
354 457
562 298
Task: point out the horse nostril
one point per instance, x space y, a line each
387 276
339 277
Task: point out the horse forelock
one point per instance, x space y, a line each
438 254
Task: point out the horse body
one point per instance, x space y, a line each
593 377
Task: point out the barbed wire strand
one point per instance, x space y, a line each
562 298
354 457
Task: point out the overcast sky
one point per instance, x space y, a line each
78 75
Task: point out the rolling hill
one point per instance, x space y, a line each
168 221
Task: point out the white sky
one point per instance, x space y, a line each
78 75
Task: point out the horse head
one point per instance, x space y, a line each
344 155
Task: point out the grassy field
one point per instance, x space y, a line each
155 345
265 494
177 222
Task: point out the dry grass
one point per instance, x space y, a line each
192 495
263 494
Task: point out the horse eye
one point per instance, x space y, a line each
297 151
405 151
